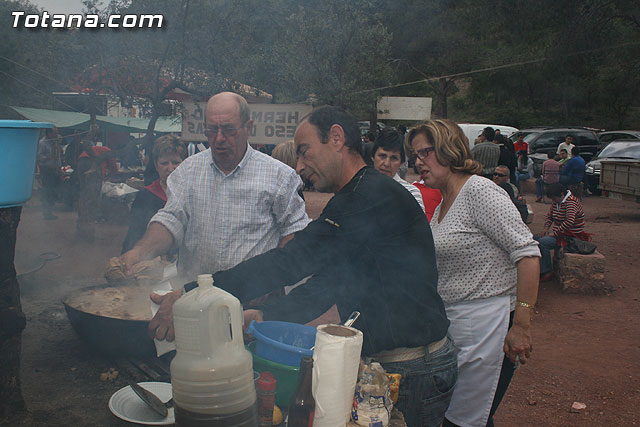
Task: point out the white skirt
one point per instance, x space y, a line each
478 328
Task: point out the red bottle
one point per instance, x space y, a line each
266 392
302 405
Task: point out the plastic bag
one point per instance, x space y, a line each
577 246
372 402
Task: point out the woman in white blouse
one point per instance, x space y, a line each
488 267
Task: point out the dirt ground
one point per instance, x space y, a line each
586 348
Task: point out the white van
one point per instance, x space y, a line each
473 130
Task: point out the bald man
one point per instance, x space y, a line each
225 204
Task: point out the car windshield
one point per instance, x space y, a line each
628 150
528 137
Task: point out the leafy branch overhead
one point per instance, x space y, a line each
508 61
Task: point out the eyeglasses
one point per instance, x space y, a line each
502 175
212 131
422 154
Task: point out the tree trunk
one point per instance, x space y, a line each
373 118
12 319
442 90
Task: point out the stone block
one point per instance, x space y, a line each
582 274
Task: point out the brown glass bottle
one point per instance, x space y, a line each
302 405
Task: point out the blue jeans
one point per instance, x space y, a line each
568 180
521 177
426 386
547 243
540 187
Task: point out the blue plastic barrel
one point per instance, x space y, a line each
19 146
283 342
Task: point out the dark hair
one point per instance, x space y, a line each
575 151
489 133
525 158
501 139
390 140
371 136
551 154
322 118
555 190
402 129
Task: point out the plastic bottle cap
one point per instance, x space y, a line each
205 280
266 381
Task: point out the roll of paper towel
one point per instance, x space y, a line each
336 359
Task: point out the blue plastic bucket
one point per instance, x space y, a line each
19 146
283 342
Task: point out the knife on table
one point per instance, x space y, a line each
151 399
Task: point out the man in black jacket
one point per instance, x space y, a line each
371 250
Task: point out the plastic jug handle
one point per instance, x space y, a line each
225 324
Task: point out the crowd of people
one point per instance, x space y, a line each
444 270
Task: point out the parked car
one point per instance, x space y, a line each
364 126
616 150
473 130
614 135
542 140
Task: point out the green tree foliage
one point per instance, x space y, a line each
509 61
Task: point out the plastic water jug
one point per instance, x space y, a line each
212 372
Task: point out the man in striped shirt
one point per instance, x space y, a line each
487 152
226 204
565 219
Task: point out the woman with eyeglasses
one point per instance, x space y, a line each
488 267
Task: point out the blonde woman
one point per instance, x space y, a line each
286 153
488 267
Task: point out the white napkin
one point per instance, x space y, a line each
336 359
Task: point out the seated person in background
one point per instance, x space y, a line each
168 152
388 156
565 219
563 157
501 178
550 174
524 168
573 171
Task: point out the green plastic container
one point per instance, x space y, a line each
285 375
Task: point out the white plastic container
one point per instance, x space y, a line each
212 372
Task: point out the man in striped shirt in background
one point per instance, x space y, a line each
565 219
487 152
